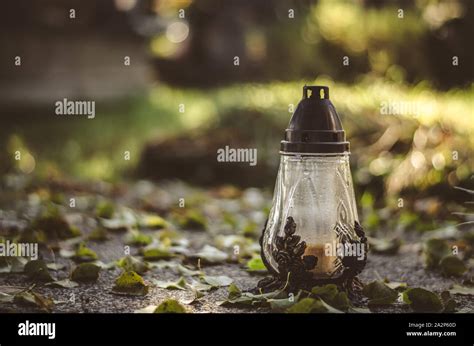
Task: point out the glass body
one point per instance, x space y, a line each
317 192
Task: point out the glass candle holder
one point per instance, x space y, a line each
313 230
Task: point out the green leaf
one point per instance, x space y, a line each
98 234
157 253
31 298
137 238
130 283
105 209
200 287
55 226
358 310
384 246
152 222
86 272
6 298
452 266
379 293
210 254
395 285
331 295
434 250
256 264
170 306
448 302
327 292
282 304
55 266
217 281
37 270
422 300
234 291
197 296
106 266
308 305
84 254
192 220
12 264
7 293
341 301
464 290
179 284
116 225
186 271
130 263
146 310
66 283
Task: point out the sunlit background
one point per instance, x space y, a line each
183 53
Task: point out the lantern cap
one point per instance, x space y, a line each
315 126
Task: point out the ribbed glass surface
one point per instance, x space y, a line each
317 192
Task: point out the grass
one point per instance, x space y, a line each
95 148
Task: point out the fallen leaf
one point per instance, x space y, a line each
452 266
394 285
308 305
326 292
330 295
130 263
191 220
210 254
33 299
434 250
448 302
463 290
84 254
152 221
170 306
66 283
67 253
55 226
217 281
157 253
186 271
137 238
37 270
255 264
379 293
130 283
422 300
146 310
7 293
384 246
234 291
196 297
248 299
104 209
200 287
98 234
179 284
86 272
12 264
55 266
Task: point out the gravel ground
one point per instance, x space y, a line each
406 266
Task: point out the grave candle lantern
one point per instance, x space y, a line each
313 233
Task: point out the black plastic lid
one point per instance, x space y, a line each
315 127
